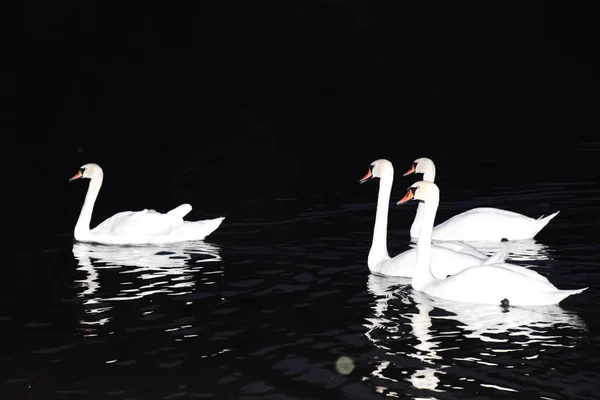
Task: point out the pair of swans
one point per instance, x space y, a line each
447 257
477 224
441 272
136 227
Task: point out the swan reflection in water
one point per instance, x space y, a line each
518 250
444 331
142 271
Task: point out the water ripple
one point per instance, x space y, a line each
135 272
454 341
290 310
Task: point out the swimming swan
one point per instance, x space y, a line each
477 224
485 284
136 227
445 261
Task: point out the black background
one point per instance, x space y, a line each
231 106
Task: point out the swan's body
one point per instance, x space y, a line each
489 224
477 224
136 227
486 284
446 260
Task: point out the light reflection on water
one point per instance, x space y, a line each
518 250
450 338
174 270
295 299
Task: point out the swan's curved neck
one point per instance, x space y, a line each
379 250
82 228
429 174
422 275
415 228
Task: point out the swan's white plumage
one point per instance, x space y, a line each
444 262
490 284
181 211
463 247
447 258
477 224
490 224
137 227
486 284
149 226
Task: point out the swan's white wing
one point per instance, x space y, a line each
490 284
461 247
138 224
483 223
192 230
530 273
181 211
498 212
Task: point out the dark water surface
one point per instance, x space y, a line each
268 113
287 309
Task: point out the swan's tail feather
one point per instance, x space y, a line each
541 222
181 211
549 217
198 230
563 294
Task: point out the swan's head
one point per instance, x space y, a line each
421 165
378 169
421 191
88 171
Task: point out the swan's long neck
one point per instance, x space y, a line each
379 250
429 174
82 228
422 275
415 228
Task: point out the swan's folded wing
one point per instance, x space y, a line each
486 224
181 211
462 247
139 224
530 273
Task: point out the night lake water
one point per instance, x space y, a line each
286 308
268 114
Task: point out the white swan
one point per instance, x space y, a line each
486 284
477 224
136 227
445 261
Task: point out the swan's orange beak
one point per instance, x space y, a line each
365 178
78 175
410 171
407 197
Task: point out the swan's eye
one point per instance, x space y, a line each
82 170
